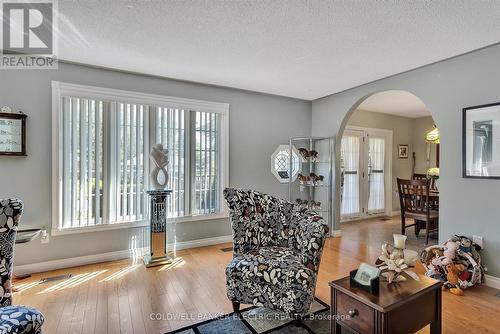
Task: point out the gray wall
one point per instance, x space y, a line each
258 124
467 206
405 131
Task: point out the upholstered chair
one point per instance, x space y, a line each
277 252
13 319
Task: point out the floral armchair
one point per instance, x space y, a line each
13 319
277 251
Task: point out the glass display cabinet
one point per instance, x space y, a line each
312 188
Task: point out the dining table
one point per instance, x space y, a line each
434 193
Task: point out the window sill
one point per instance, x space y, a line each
136 224
187 219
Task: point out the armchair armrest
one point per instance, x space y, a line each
309 236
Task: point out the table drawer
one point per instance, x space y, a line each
361 317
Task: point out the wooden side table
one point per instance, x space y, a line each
404 307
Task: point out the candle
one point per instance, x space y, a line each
399 241
410 257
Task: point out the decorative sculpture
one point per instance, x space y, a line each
159 174
392 264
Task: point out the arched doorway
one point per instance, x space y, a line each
385 135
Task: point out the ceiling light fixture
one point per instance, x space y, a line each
433 136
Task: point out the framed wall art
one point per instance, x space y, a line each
12 133
403 151
481 141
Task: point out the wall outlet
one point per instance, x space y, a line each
478 240
44 237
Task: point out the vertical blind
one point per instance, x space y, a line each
130 171
376 157
105 160
83 162
206 163
350 150
170 133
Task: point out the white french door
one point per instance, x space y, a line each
365 172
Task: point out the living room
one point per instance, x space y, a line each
125 159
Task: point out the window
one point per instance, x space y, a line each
170 133
205 169
101 140
280 163
82 163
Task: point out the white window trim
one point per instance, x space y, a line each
60 89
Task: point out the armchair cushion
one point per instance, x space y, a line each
20 320
273 277
258 220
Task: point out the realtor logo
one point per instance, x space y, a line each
28 35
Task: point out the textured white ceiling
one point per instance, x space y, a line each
305 49
396 102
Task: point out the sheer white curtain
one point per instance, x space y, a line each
350 147
376 196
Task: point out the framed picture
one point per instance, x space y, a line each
12 134
481 141
403 151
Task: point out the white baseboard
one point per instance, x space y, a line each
492 281
71 262
202 242
336 233
112 256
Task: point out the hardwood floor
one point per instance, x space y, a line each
125 297
376 230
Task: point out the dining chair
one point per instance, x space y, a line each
432 182
415 204
419 176
432 187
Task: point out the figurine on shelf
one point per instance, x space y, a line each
307 205
308 155
317 180
302 204
303 179
304 153
313 155
315 205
